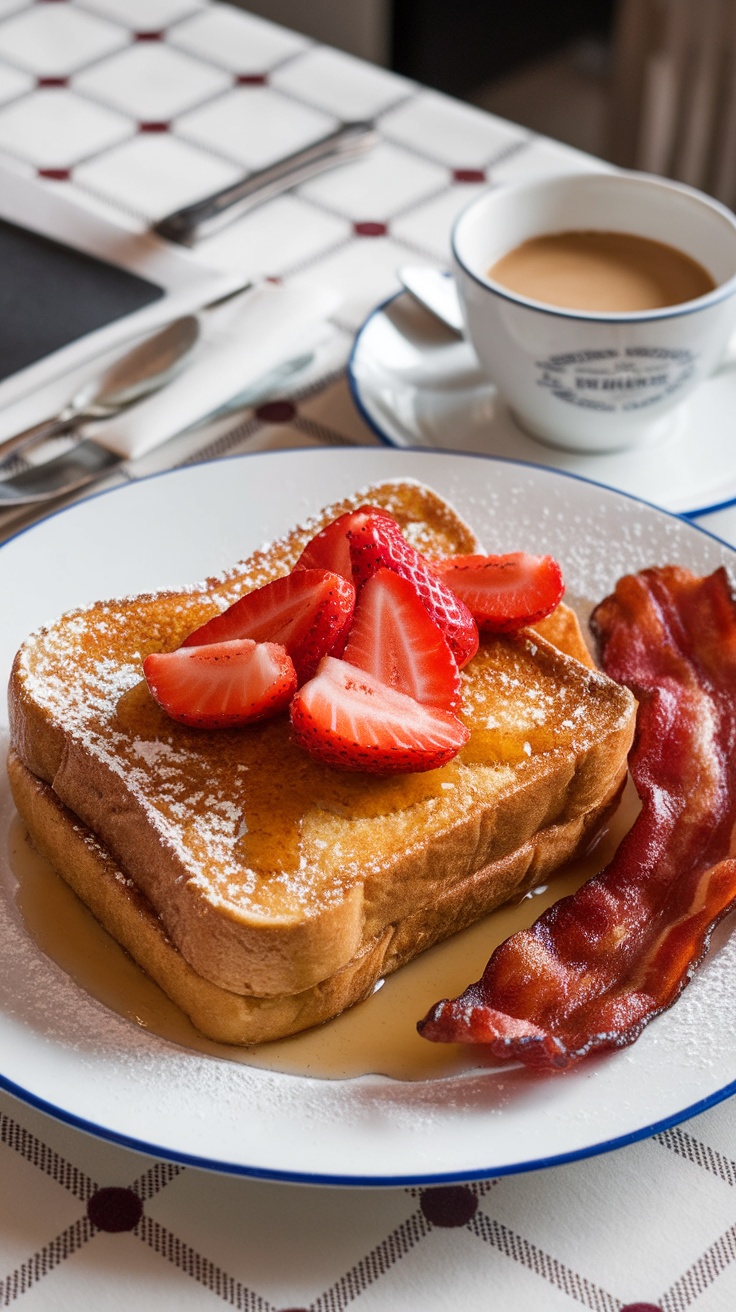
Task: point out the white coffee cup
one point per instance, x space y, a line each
588 380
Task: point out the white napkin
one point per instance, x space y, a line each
240 343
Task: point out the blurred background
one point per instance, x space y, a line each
646 84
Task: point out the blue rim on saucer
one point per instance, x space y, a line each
416 387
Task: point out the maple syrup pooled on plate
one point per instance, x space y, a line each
376 1037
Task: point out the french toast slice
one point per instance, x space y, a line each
232 862
228 1017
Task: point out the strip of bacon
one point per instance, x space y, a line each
599 965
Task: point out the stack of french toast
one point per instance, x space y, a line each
265 883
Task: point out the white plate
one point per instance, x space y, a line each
186 282
64 1052
420 387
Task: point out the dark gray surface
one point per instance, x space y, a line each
51 295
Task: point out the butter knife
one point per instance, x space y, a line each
208 216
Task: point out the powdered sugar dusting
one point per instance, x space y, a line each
58 1045
188 791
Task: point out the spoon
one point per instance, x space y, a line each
87 462
436 290
141 371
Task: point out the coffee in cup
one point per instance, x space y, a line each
606 376
616 272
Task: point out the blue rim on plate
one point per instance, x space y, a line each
358 1181
148 1146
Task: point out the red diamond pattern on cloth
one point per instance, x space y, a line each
114 1209
368 228
641 1307
452 1205
468 175
276 412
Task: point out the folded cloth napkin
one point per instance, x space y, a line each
240 342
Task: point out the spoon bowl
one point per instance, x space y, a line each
147 367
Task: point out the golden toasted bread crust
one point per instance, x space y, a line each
228 1017
269 873
562 629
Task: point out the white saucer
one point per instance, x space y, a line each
418 386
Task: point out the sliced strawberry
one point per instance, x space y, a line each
378 543
348 719
330 549
504 593
394 637
222 685
309 613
